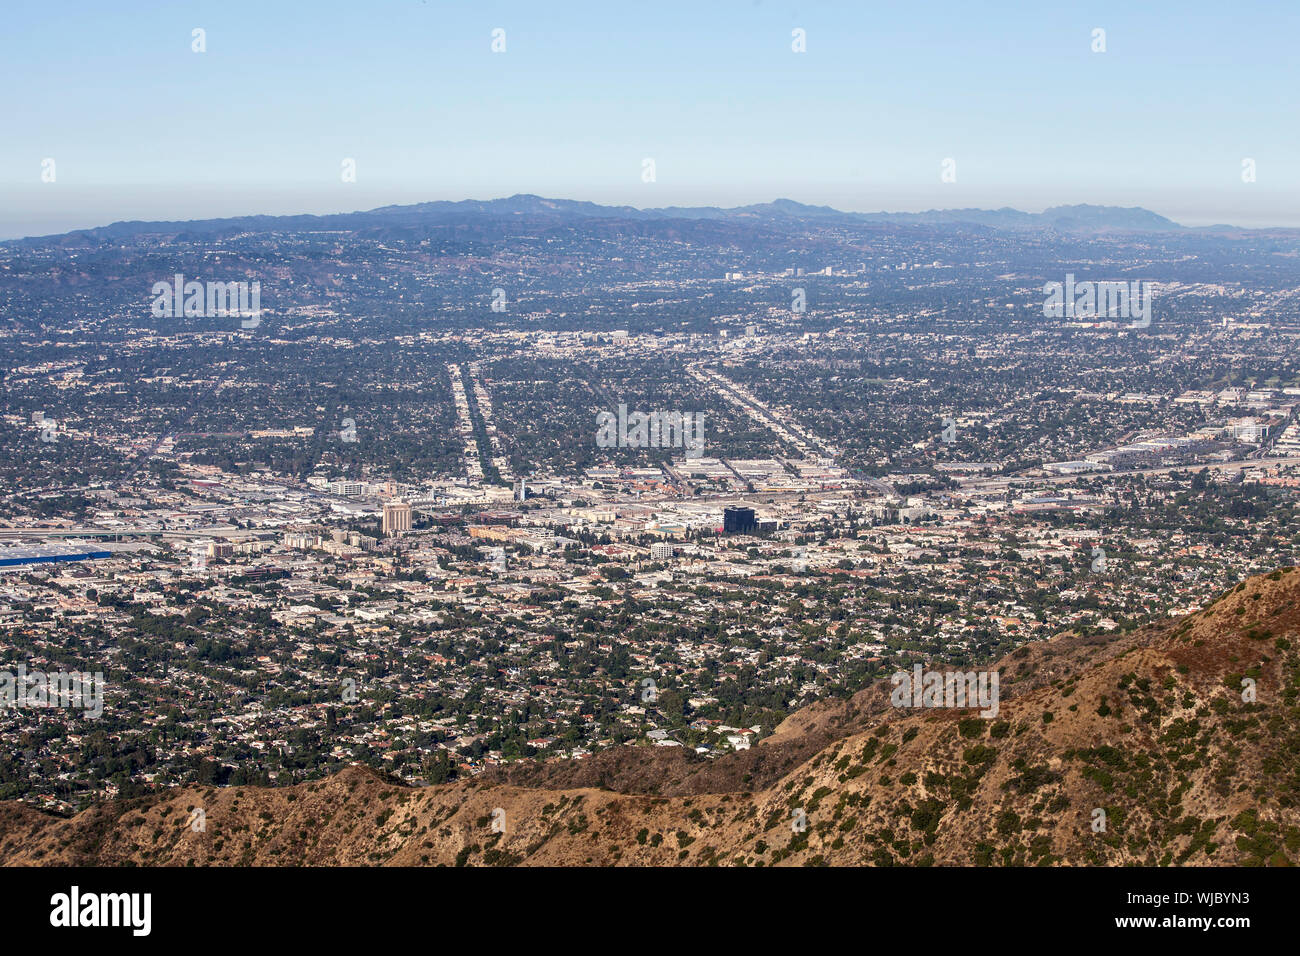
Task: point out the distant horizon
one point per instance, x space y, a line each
307 208
153 111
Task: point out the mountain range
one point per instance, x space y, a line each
538 211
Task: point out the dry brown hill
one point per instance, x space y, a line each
1149 728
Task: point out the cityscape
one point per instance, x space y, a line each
418 553
705 438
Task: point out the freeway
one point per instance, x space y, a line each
995 484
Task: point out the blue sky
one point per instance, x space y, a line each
141 127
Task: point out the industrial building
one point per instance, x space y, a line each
20 555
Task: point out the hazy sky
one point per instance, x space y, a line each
141 127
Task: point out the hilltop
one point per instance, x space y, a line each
1149 727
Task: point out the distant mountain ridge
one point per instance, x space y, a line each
541 211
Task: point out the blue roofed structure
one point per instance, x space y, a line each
19 555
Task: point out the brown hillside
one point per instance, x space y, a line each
1149 727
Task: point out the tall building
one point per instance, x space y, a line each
738 520
397 517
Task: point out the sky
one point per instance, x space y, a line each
140 126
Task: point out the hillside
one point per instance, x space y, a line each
1149 727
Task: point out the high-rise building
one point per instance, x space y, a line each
397 517
661 551
738 520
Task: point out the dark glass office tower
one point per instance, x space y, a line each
738 520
